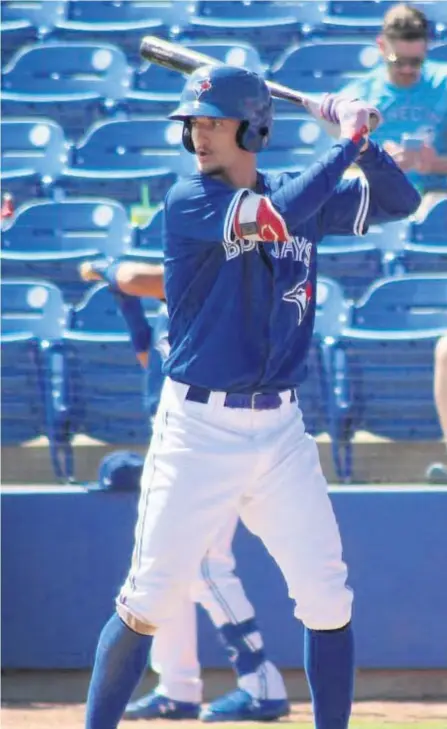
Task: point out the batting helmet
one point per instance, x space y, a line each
228 92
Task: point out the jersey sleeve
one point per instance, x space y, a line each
347 210
202 209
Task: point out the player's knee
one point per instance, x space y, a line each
441 354
326 609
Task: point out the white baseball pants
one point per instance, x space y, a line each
207 461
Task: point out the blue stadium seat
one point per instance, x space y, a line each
34 400
438 52
156 90
322 66
322 398
121 22
269 26
295 143
24 21
345 18
147 243
107 386
386 354
73 84
34 153
117 157
425 247
354 262
48 240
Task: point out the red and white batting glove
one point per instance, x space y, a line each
353 115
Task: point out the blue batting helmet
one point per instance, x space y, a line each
228 92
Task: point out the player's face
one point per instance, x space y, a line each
404 60
215 144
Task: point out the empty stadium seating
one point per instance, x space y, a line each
147 243
385 357
269 25
116 157
122 22
34 153
321 66
106 385
425 248
48 240
34 400
74 84
24 21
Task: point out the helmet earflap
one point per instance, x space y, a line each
252 140
186 136
246 138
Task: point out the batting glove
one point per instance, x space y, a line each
353 115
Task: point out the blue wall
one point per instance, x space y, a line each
66 551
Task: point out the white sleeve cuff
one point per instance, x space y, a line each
362 212
231 212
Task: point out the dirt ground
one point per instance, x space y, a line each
374 714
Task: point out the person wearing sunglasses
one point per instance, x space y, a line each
411 93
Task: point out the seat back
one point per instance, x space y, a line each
438 52
31 312
34 308
107 386
42 14
81 226
104 12
232 11
149 238
403 304
137 143
33 146
100 70
236 53
433 228
323 66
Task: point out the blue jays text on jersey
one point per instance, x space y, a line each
242 312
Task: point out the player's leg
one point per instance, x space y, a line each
188 491
291 511
261 693
173 657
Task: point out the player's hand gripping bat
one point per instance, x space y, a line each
184 60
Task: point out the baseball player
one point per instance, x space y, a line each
261 693
240 278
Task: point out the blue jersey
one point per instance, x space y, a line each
241 312
420 109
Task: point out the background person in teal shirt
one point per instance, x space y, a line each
411 93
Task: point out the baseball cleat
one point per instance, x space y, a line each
240 706
156 706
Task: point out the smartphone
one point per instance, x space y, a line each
411 141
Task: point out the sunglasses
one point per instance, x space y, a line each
401 61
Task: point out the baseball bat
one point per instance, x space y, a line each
177 57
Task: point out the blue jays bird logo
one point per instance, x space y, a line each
301 294
201 86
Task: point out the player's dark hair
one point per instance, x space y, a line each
403 22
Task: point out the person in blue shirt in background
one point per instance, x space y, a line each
411 93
